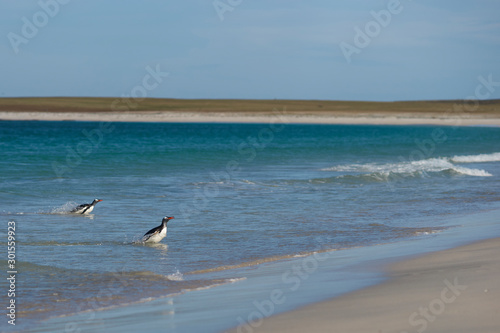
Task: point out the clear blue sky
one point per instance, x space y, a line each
253 49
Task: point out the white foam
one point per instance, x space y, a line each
340 168
407 167
248 182
472 172
495 157
177 276
428 232
64 209
234 280
429 165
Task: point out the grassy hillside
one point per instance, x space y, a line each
93 104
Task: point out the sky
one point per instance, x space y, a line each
388 50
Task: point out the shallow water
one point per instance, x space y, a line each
241 194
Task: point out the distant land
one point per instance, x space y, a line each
489 108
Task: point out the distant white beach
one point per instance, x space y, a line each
249 117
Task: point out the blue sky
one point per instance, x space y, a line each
252 49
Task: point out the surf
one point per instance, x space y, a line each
423 167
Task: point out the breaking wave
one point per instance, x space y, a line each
422 167
495 157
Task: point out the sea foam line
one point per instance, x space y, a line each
428 165
494 157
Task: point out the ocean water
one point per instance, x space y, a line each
241 194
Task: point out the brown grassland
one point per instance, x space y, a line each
104 104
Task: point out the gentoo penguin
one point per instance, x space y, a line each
85 208
155 235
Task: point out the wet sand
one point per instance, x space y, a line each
455 290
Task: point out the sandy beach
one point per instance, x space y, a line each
260 117
454 290
445 112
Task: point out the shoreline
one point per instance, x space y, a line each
454 290
355 118
345 278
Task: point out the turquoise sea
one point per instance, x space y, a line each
241 194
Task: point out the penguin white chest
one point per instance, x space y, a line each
157 237
88 211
